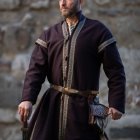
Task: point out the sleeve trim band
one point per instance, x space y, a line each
41 42
106 43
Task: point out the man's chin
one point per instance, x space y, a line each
65 14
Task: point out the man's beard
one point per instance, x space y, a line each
71 12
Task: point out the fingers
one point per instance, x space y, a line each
24 110
115 114
23 114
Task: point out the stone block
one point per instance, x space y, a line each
10 132
20 65
28 20
123 133
18 36
26 2
9 4
7 115
5 66
127 127
102 2
1 35
40 4
10 91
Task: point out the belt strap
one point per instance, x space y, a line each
89 94
70 91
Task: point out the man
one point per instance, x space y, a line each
70 54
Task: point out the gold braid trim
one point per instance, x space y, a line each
41 42
106 43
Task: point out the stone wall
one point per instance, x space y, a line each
22 21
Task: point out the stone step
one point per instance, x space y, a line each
125 133
127 128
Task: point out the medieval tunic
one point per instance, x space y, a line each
93 45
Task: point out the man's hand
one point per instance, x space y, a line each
114 113
25 110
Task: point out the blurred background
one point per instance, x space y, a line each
22 21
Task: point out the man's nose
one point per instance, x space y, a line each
63 2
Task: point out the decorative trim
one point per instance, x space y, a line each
61 117
64 99
65 112
72 52
65 51
67 77
106 43
41 42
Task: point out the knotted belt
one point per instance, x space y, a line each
71 91
89 94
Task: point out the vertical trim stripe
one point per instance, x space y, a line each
60 117
72 52
67 82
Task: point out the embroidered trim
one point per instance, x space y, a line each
68 81
65 112
106 43
72 52
65 52
61 117
41 42
64 99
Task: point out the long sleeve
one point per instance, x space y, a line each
114 70
36 73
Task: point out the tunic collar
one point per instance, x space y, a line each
67 32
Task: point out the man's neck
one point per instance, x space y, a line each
72 20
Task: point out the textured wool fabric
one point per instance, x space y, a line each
95 45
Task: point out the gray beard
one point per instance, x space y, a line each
72 12
69 15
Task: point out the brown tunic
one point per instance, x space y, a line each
94 46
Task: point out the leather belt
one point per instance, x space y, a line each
70 91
